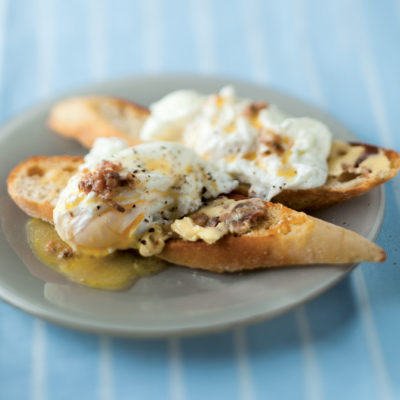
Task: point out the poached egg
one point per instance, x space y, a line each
122 196
254 142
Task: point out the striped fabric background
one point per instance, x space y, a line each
343 56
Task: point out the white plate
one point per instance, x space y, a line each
178 300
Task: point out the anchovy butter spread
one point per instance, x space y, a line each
357 158
221 217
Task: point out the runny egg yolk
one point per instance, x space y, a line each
113 272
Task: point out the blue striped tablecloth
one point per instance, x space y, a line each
343 56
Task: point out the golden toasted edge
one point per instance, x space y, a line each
37 209
78 118
298 240
326 195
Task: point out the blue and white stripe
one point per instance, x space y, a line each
342 56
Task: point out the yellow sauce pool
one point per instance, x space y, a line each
114 272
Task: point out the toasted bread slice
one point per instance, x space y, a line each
353 169
351 172
285 237
87 118
35 184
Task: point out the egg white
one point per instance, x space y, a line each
219 130
170 181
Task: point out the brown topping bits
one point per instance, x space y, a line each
347 176
240 220
105 180
345 166
200 219
254 108
369 148
116 206
52 247
360 159
212 222
66 253
63 251
277 146
244 216
205 221
353 171
363 157
273 141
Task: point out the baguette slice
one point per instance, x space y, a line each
286 237
353 169
87 118
35 183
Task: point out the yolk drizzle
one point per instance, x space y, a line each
116 271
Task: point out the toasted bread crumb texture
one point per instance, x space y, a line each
354 169
288 238
87 118
35 183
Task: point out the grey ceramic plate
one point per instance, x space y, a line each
178 300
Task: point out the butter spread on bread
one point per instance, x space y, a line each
280 237
221 217
349 159
354 169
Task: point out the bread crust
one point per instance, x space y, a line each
37 170
332 192
297 240
87 118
